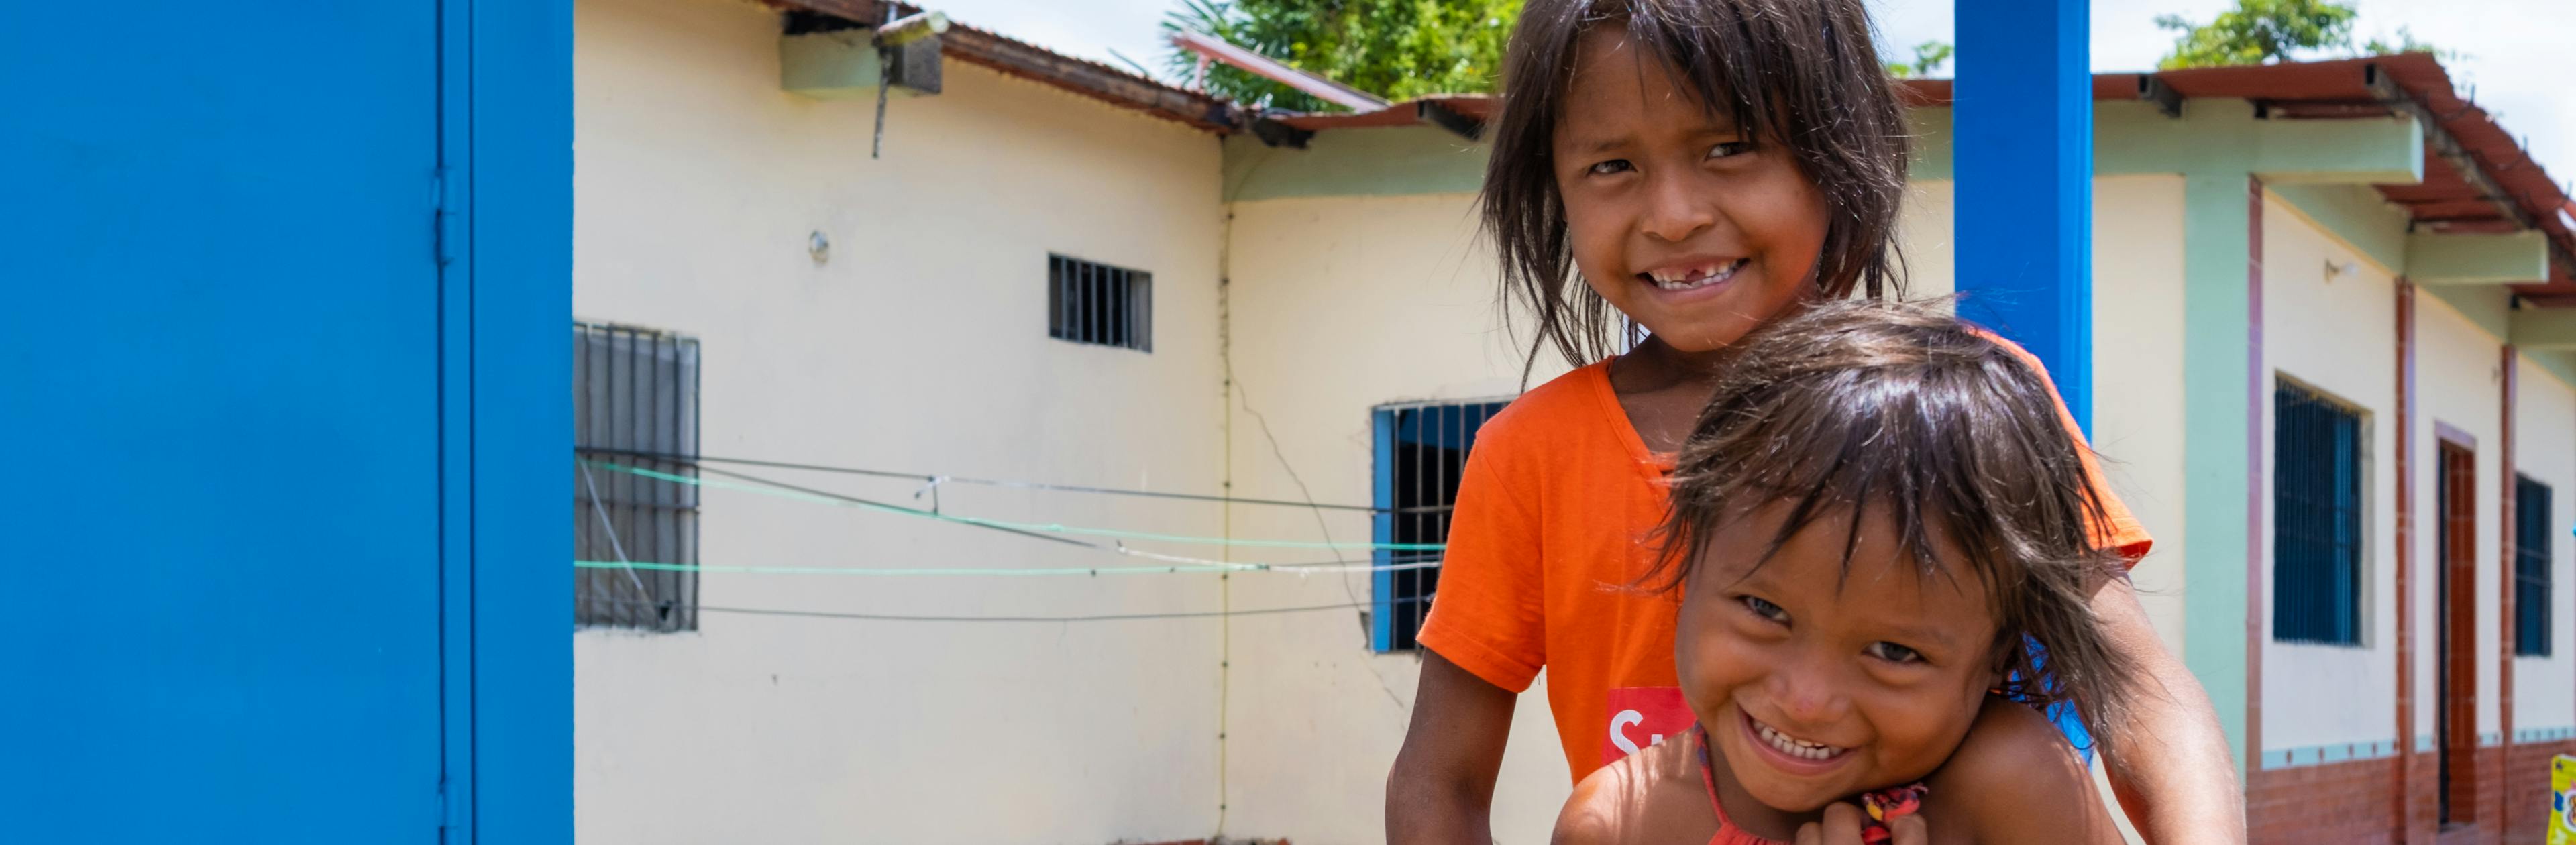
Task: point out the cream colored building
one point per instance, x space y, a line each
1296 292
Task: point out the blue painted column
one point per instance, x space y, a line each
2023 161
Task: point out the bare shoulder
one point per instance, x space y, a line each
2005 739
1630 801
1592 814
2015 779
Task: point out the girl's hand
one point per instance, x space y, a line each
1842 825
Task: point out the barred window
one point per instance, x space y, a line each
2316 518
2531 559
1091 302
1421 454
635 411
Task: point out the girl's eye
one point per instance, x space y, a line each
1730 148
1766 610
1894 653
1616 165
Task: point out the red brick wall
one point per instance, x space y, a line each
2347 802
2334 802
2526 790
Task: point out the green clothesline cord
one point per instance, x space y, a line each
1016 526
954 571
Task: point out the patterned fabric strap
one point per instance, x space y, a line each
1886 806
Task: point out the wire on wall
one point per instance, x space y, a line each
935 480
772 488
1107 617
992 572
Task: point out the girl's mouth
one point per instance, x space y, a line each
1685 277
1789 753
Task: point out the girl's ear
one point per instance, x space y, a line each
2000 665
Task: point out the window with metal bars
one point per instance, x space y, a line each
635 406
2317 465
2531 559
1421 453
1091 302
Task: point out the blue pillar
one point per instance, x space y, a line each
2023 161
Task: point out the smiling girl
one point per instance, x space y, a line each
1876 518
1699 169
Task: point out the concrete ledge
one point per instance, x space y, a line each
2544 328
2445 259
2373 151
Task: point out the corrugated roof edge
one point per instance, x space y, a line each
1018 58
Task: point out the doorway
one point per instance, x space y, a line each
2455 702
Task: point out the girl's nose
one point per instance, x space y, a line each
1676 210
1808 694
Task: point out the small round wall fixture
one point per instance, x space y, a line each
819 246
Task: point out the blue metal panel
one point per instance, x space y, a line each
288 568
2022 121
2023 129
1382 582
219 377
519 262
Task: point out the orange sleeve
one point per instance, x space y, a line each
1488 614
2116 529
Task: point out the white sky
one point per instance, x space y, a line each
2519 50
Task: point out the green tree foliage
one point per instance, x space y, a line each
1397 49
1929 56
2264 31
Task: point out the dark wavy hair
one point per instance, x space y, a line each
1797 72
1858 405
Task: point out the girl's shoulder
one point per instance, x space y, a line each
1652 796
1569 404
2015 777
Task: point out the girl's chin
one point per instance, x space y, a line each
1696 344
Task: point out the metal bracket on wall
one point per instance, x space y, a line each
2152 88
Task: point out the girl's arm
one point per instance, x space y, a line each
1442 787
2016 780
2172 769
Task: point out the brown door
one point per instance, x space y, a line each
2456 713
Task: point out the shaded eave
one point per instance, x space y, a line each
2480 181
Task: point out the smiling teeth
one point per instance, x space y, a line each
1694 277
1793 747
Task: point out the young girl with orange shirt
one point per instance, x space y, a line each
1696 168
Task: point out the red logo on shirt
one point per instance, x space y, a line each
1643 716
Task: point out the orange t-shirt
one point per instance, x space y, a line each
1550 531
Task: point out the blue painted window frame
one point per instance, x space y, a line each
2318 516
2532 560
1400 600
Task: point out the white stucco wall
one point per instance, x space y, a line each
2456 379
1927 234
2544 688
921 346
2335 333
1340 305
2137 399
